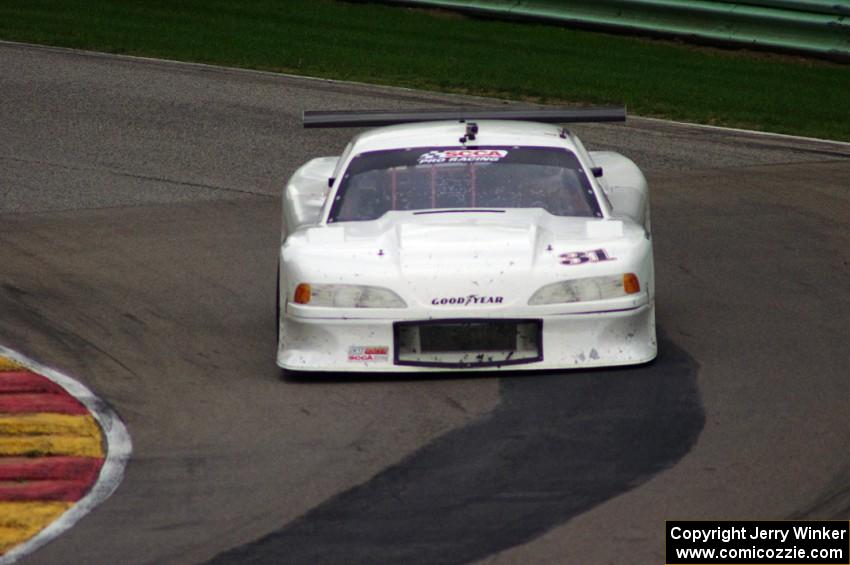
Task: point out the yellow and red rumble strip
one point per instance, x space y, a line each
52 451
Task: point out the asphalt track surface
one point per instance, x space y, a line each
139 222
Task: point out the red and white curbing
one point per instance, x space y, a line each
118 450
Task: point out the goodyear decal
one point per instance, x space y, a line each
468 300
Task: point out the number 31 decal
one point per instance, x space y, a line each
579 257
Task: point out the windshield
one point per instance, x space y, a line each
428 178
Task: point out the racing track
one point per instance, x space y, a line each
551 449
138 228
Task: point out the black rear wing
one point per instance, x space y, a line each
376 118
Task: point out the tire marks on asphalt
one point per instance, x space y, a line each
556 446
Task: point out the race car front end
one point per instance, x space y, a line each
517 297
618 331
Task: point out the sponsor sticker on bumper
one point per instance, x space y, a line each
368 353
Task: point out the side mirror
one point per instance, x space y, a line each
331 181
597 171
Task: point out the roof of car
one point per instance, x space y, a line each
448 134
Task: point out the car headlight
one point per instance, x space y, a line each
347 296
586 289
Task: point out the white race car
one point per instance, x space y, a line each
465 239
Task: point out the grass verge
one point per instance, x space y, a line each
440 51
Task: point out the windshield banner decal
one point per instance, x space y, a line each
462 156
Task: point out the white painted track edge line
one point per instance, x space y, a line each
224 68
118 450
400 88
754 132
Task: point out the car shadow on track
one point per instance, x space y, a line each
556 446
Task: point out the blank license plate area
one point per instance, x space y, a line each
467 343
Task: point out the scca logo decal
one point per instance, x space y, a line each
368 353
476 153
579 257
462 156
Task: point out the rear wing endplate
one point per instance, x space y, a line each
375 118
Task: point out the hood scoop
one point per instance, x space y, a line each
471 236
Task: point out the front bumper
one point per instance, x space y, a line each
604 335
